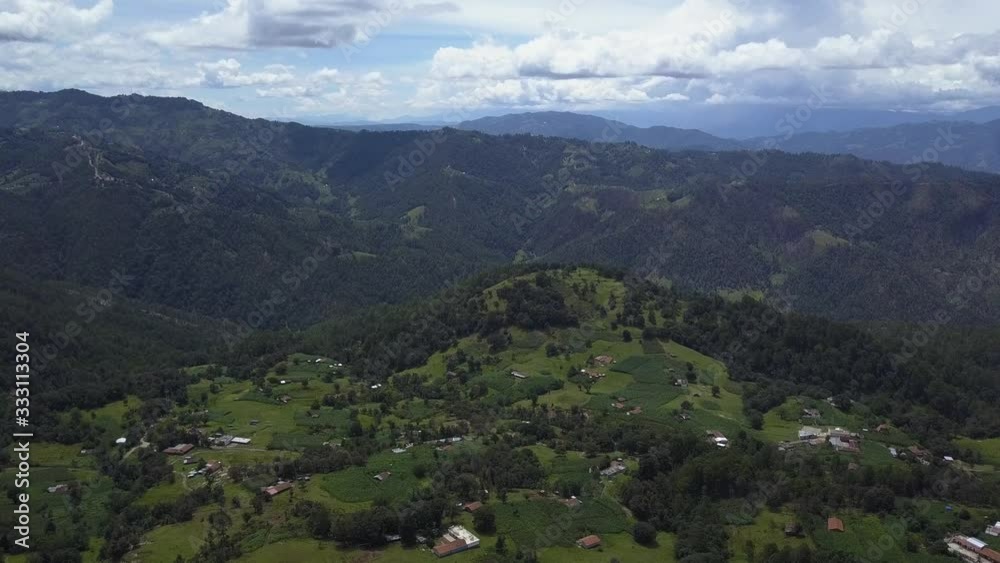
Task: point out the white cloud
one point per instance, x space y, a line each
46 20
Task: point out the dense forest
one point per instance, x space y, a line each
271 224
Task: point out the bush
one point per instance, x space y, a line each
644 533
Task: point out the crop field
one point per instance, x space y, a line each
544 522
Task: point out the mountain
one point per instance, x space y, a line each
596 129
965 144
273 225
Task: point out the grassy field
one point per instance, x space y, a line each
541 523
357 484
874 539
768 527
989 449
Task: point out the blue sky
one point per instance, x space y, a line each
434 59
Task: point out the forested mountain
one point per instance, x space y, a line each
597 129
270 223
973 146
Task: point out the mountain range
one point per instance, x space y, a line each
270 224
967 144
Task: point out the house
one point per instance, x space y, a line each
276 489
212 467
618 405
472 506
882 428
893 452
285 399
636 410
949 459
222 441
617 466
60 489
519 375
383 476
456 540
604 360
993 530
811 413
808 433
589 542
242 441
717 438
179 449
571 502
793 529
834 524
845 444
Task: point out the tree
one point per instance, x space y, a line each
485 520
501 545
626 336
644 533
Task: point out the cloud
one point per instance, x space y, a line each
227 73
47 20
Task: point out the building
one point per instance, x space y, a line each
60 489
519 375
845 444
808 433
276 489
179 449
571 502
604 360
617 466
811 413
456 540
717 438
383 476
212 467
242 441
993 530
793 529
972 544
893 452
222 441
589 542
834 524
121 441
472 506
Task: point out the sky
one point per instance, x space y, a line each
453 59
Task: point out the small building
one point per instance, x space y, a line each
571 502
949 459
808 433
276 489
604 360
893 452
121 441
618 405
617 466
717 438
589 542
834 524
254 422
285 399
241 441
456 540
993 530
222 441
472 506
972 544
383 476
179 449
212 467
811 413
519 375
60 489
793 529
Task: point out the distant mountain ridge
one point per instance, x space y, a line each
966 144
597 129
217 214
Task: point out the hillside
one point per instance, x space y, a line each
317 222
614 375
